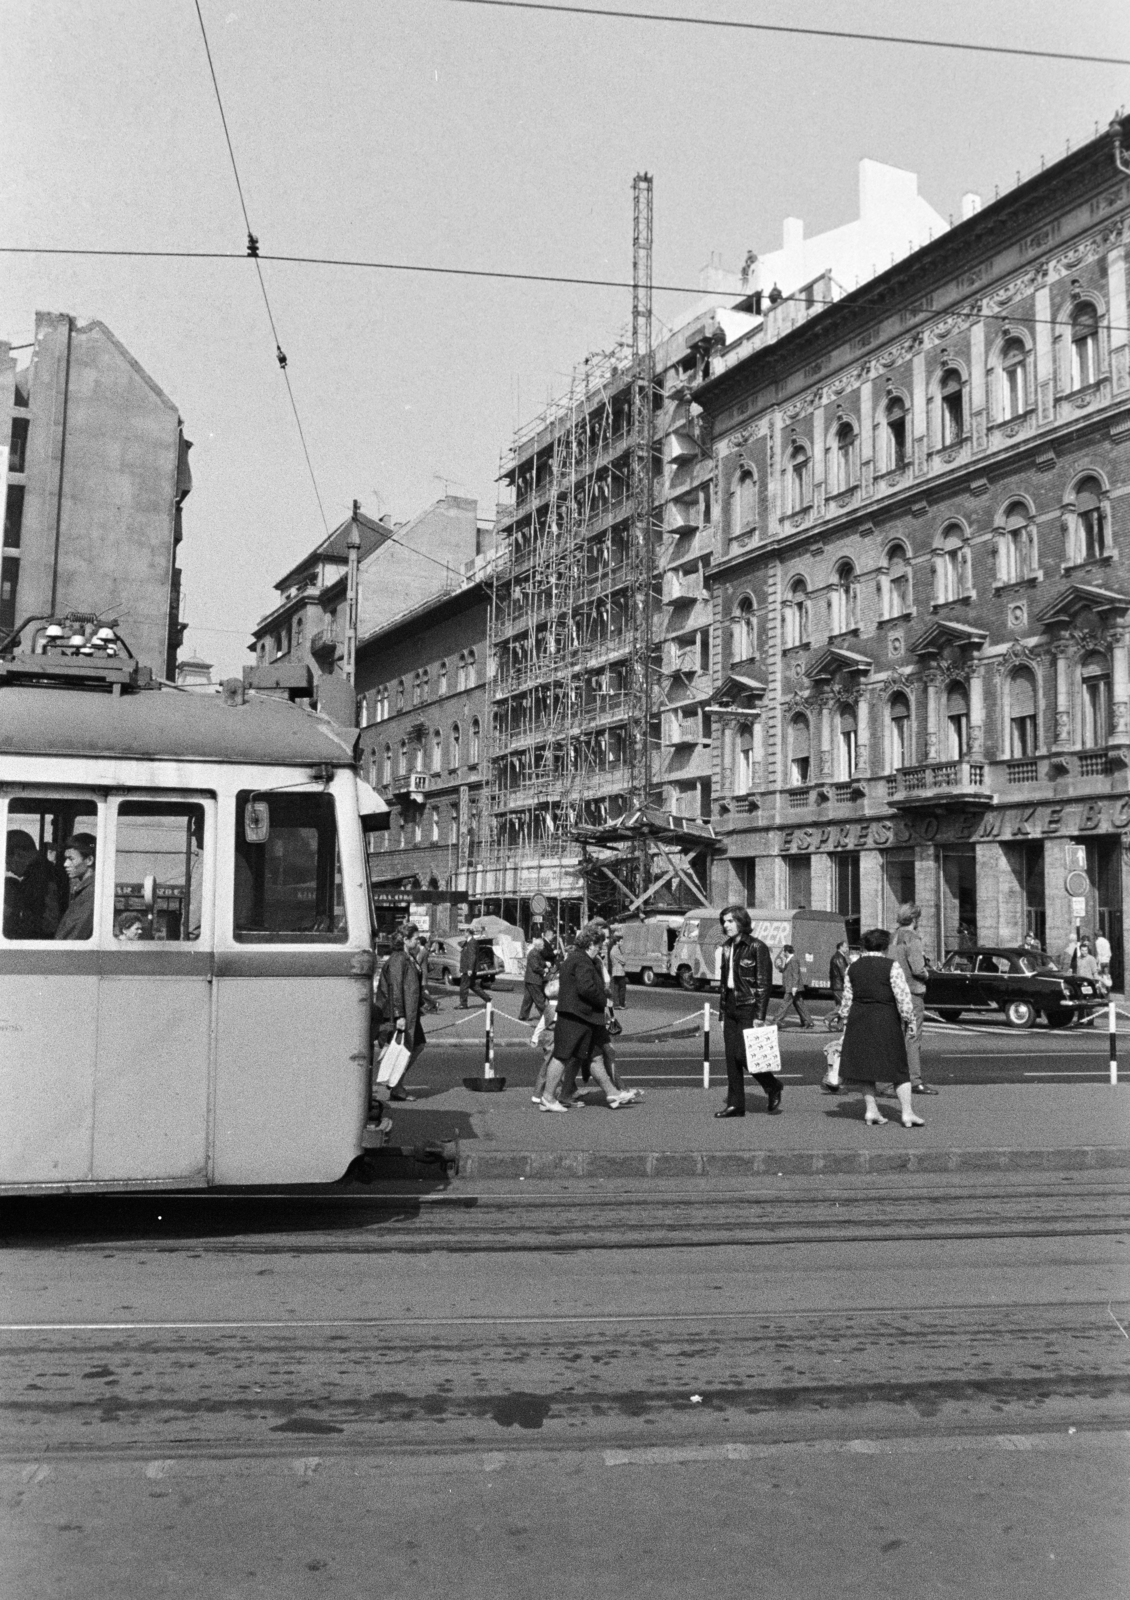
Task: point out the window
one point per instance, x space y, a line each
957 722
435 824
895 420
845 599
158 872
9 582
795 614
454 744
743 631
799 744
470 683
418 829
799 478
743 778
849 746
1096 701
1021 714
14 515
425 686
846 457
402 763
1090 521
441 678
1018 545
949 567
387 779
845 884
1084 346
416 689
897 588
1014 380
17 448
473 749
951 394
48 890
745 501
898 725
400 694
461 680
418 753
299 631
288 890
437 751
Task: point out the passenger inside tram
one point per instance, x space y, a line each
31 895
77 921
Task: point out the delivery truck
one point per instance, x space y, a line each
814 935
646 946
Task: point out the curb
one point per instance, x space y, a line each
785 1163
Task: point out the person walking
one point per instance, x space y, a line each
792 982
1103 955
468 972
747 976
908 950
837 967
579 1031
539 961
879 1008
618 970
400 991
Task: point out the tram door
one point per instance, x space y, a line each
155 994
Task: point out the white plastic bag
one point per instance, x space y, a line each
762 1048
394 1061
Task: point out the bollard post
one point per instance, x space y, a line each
488 1059
706 1045
1112 1030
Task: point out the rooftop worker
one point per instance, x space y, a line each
31 896
77 921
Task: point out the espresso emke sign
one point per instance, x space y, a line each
1011 822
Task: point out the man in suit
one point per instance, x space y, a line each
837 971
747 974
468 981
539 960
792 982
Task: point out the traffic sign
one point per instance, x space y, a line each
1076 857
539 905
1078 906
1077 883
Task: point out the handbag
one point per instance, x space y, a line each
613 1027
394 1060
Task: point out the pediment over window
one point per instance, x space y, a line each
944 634
836 659
739 691
1080 597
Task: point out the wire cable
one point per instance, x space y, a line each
810 33
253 253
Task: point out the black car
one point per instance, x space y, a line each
1023 984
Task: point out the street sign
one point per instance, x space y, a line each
1076 857
1077 883
539 905
1078 906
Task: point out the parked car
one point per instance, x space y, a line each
1023 984
443 962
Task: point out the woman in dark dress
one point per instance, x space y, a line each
877 1001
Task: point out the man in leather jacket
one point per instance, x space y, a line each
747 973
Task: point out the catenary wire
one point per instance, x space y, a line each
485 272
810 33
253 252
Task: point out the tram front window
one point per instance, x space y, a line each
159 871
287 889
41 900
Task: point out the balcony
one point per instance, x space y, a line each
325 644
941 785
1023 772
798 799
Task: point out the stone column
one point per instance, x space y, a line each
926 895
872 911
862 732
825 770
933 696
821 880
989 869
976 712
1119 639
1063 739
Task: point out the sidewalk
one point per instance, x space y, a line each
673 1133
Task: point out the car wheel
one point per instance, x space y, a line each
948 1013
685 977
1059 1019
647 977
1020 1013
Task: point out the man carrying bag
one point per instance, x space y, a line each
747 974
400 990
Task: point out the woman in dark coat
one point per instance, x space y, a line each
877 1001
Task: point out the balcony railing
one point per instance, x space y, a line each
1094 764
1023 772
939 781
799 799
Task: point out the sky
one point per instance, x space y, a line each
450 134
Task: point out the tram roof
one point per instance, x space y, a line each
167 725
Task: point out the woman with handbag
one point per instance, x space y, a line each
880 1013
400 993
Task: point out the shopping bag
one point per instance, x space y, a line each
394 1060
762 1048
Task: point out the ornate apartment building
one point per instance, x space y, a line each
921 579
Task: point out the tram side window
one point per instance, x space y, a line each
159 871
50 861
288 889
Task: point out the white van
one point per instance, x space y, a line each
646 946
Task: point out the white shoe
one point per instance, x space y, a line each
911 1121
874 1121
551 1105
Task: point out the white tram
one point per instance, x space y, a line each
195 1012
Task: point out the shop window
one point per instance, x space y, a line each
845 599
1084 345
49 890
1013 379
898 726
287 889
1096 701
1022 714
897 431
951 396
799 750
743 631
957 722
795 614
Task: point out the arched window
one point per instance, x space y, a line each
795 614
1014 378
1090 522
435 824
951 396
1084 345
743 634
745 501
950 565
416 689
387 778
846 460
299 631
461 679
373 768
957 721
743 777
1096 701
363 710
799 745
473 748
400 694
454 744
470 684
898 732
437 750
441 678
897 588
402 766
418 829
418 754
799 478
897 433
1021 714
1018 545
425 685
845 599
848 744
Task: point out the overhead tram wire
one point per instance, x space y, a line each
475 272
810 33
253 253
